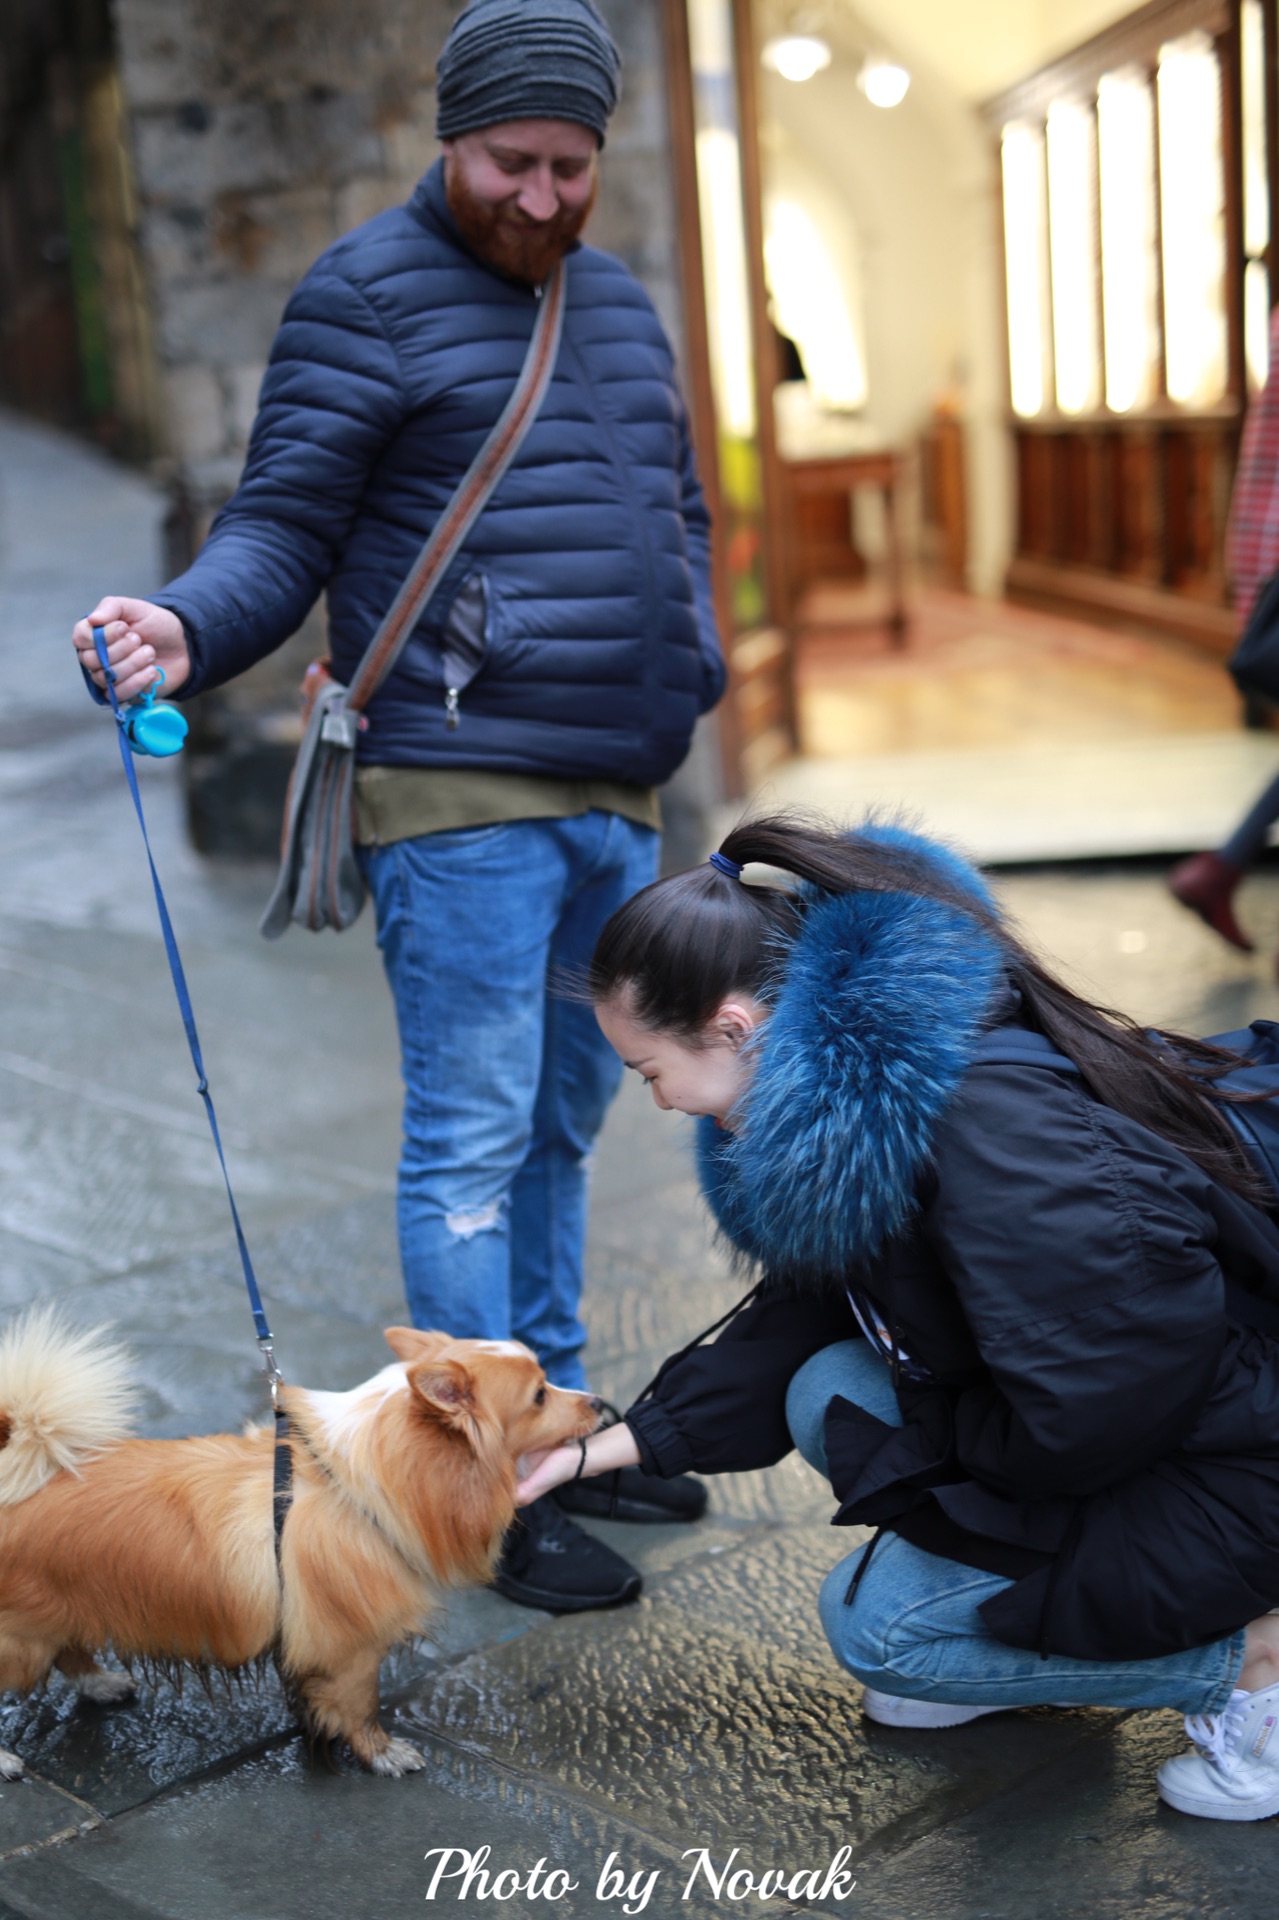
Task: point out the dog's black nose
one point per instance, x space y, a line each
594 1402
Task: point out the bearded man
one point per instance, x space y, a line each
498 832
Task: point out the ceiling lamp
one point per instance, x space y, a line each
883 82
796 56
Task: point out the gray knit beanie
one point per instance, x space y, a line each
526 60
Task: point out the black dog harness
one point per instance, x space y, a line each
282 1497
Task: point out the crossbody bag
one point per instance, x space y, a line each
320 883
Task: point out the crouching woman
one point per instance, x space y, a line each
1014 1303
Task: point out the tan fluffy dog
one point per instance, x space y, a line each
164 1549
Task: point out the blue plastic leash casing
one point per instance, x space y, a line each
152 714
154 730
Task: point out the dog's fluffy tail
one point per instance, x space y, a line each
65 1393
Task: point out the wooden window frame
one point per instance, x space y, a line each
760 698
1147 544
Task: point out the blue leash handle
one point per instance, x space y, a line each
265 1341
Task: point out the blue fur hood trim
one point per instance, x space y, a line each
884 998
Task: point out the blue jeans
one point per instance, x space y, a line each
1246 843
506 1082
913 1628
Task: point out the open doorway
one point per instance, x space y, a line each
995 421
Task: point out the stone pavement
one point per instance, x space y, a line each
710 1715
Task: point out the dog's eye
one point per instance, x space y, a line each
539 1398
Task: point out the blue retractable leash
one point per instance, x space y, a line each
143 727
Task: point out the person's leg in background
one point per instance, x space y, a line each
606 859
466 922
1206 882
609 858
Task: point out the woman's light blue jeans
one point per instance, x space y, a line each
506 1083
913 1628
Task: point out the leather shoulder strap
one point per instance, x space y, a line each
473 494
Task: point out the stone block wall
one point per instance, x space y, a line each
261 132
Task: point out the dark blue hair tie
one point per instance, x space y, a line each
722 862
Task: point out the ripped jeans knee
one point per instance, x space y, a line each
466 1222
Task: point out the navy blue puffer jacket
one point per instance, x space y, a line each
589 568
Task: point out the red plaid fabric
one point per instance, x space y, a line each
1252 539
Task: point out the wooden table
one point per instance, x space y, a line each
846 472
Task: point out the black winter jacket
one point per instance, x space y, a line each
1091 1383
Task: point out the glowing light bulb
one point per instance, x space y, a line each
884 83
796 56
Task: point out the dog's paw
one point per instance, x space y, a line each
106 1688
11 1768
397 1758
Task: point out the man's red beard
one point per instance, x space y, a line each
500 234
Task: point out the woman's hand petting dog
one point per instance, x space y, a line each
539 1472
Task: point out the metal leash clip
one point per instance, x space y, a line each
274 1378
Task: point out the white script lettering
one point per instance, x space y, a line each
539 1885
613 1885
806 1884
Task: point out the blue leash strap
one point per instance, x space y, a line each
265 1341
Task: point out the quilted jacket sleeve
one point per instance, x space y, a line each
1082 1255
697 525
331 400
722 1407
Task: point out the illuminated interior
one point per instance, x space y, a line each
1130 266
1256 195
1073 252
797 56
884 82
1192 220
727 297
728 302
1025 252
811 305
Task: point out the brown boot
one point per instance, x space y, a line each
1206 883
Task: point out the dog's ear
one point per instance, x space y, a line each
409 1343
445 1389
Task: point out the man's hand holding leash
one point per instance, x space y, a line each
140 638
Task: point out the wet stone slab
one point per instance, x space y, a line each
1083 1833
32 1271
633 1309
662 1232
702 1737
33 1812
274 1840
342 1260
120 1756
765 1588
192 1340
713 1714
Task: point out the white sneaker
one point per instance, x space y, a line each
891 1710
1233 1774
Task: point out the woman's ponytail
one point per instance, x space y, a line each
685 944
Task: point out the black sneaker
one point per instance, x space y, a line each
548 1562
640 1496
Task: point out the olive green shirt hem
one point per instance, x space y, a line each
401 803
